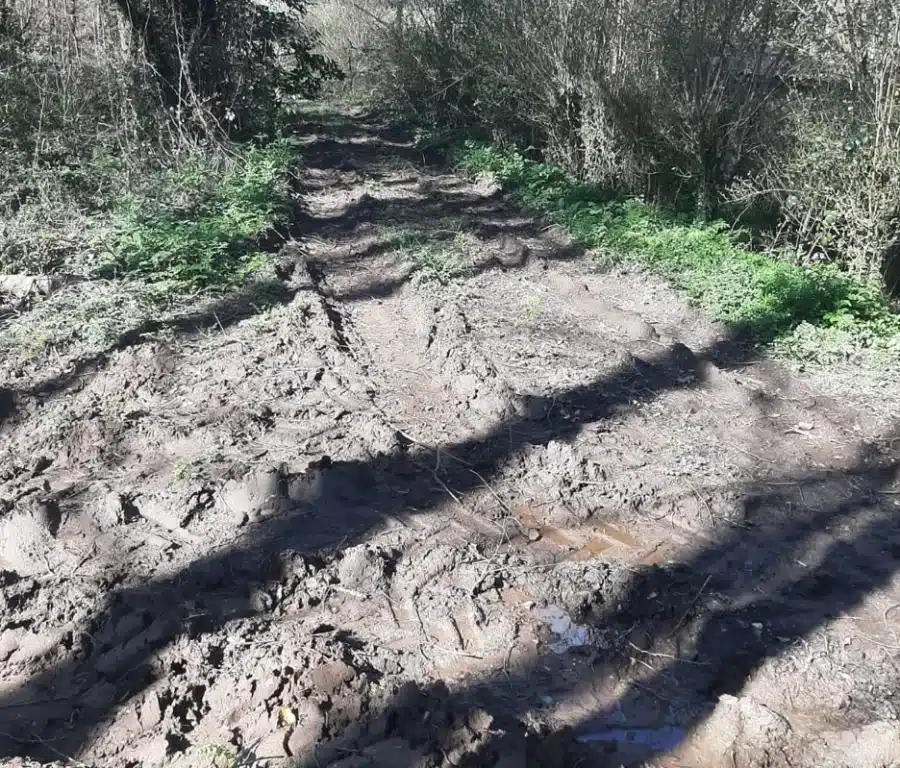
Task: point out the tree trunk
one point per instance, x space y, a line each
159 51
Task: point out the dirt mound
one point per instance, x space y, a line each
449 496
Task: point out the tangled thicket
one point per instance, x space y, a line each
779 114
104 98
212 65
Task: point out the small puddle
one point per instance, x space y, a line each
568 634
590 550
661 739
557 536
612 532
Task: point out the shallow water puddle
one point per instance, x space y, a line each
567 633
590 550
612 532
661 739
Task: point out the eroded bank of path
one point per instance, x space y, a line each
456 497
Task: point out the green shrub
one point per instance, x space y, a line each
832 187
200 226
752 292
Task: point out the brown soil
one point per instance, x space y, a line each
539 514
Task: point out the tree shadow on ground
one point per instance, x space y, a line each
64 706
220 314
705 604
756 592
748 597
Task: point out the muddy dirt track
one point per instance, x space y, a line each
534 514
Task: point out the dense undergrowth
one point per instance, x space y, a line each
196 228
200 224
812 312
759 110
139 140
143 173
194 223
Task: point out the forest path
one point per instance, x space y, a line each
452 495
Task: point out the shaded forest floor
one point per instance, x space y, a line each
443 492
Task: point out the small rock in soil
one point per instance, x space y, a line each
512 252
328 678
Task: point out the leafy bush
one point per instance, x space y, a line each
200 226
753 293
226 65
673 98
834 186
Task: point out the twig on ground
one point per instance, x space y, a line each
679 659
752 455
701 500
462 506
492 492
872 640
692 604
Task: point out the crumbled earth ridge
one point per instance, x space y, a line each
530 513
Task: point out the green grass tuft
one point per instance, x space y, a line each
754 293
200 225
440 253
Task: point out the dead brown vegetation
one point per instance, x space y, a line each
784 116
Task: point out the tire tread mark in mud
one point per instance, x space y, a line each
317 273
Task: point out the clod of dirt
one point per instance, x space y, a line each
623 358
328 678
164 510
293 269
110 510
363 568
556 472
742 726
150 712
10 639
26 538
876 745
306 734
468 374
708 372
49 515
421 727
40 465
637 328
34 647
253 497
683 358
512 252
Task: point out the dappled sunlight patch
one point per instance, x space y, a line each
79 320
